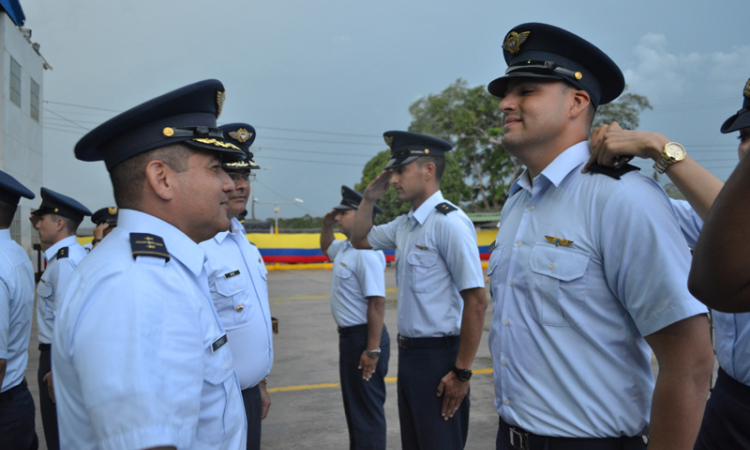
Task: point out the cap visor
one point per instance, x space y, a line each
498 87
343 207
396 162
736 122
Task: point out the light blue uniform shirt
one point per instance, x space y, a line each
16 308
237 281
136 356
732 331
567 332
356 275
436 258
53 281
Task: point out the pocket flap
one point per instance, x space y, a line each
422 258
43 289
562 263
216 371
494 262
229 286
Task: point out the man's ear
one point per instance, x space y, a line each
581 101
160 177
428 170
59 223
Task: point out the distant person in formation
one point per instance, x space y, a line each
588 274
139 355
105 221
17 413
237 280
441 299
56 220
358 307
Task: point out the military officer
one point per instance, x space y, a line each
17 430
57 221
139 355
358 306
105 220
441 299
237 280
588 271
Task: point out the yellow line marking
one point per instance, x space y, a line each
306 387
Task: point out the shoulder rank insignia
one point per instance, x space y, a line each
493 245
445 208
614 172
557 241
241 135
514 40
144 244
62 253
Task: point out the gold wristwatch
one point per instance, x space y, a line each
672 153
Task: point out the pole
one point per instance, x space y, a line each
252 198
276 216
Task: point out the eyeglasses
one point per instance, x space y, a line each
235 176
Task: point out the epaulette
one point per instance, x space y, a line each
144 244
445 208
613 172
62 253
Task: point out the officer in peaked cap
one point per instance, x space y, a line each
237 282
138 345
105 220
441 300
358 306
16 309
588 272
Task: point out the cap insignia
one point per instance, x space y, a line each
216 143
514 40
220 97
388 140
746 93
241 135
342 191
112 211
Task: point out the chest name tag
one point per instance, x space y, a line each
217 344
493 246
231 274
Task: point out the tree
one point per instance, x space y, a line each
626 111
453 186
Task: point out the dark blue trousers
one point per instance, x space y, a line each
253 409
363 400
419 407
46 405
726 422
17 430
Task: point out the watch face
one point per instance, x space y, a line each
675 150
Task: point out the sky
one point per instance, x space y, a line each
322 80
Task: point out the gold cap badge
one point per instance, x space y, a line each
112 211
241 135
220 97
388 140
746 93
514 40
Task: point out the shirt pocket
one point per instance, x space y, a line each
422 264
344 272
557 285
493 272
44 295
220 393
230 301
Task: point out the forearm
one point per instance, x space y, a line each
472 324
326 237
362 225
375 317
699 186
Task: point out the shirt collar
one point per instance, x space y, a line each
178 244
424 210
557 170
236 226
5 235
52 251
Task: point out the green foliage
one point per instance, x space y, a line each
626 111
452 185
306 221
469 119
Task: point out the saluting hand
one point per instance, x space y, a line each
329 219
378 187
611 146
367 365
453 392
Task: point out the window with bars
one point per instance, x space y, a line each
34 100
15 82
15 227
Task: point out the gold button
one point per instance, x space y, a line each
531 207
507 321
237 287
511 282
579 75
240 308
168 132
505 362
507 401
551 265
519 243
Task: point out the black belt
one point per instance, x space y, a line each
45 347
422 343
521 439
356 329
8 395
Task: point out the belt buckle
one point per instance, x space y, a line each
522 438
402 343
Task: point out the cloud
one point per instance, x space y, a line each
666 77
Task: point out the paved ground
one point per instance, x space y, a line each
307 410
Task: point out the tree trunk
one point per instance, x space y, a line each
481 183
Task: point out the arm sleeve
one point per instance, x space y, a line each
646 260
334 249
690 223
458 248
370 276
4 320
383 237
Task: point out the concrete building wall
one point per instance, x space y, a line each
21 148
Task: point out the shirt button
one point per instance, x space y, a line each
505 362
240 308
551 265
507 401
519 243
506 321
531 207
511 281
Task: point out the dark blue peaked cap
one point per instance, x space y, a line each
186 115
350 199
105 215
742 118
62 205
537 50
407 146
242 135
11 190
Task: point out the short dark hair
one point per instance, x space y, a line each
7 212
590 110
129 177
439 162
71 226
